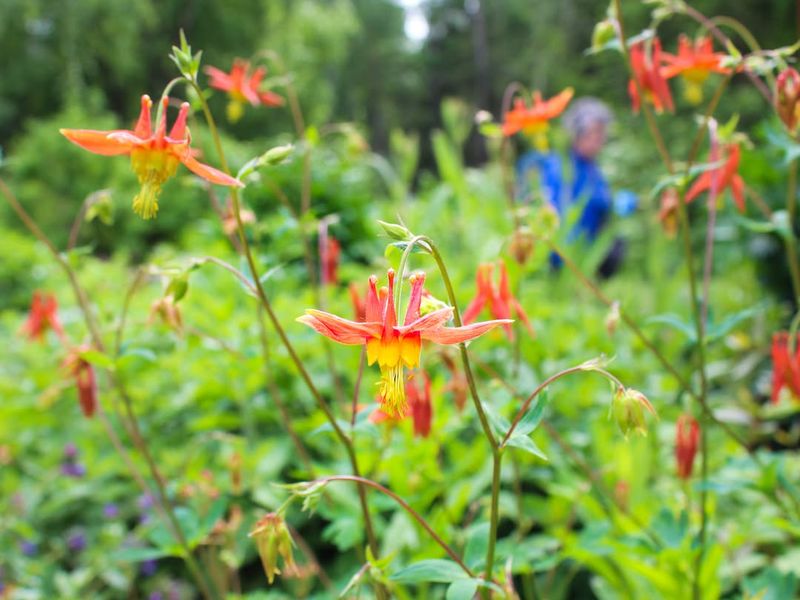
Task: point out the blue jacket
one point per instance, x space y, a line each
585 183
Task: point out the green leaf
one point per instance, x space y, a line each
531 420
477 543
463 589
525 443
98 359
435 569
498 422
675 322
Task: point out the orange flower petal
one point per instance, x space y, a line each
99 142
456 335
338 329
209 173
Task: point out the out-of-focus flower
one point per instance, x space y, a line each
419 399
499 298
687 438
359 303
534 120
787 97
612 318
70 467
628 408
28 547
167 311
42 316
785 367
83 373
110 510
668 211
149 567
273 540
724 176
394 347
647 71
76 542
521 245
694 63
242 86
622 493
155 156
329 251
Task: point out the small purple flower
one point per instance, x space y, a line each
73 469
156 596
110 511
76 542
149 567
70 451
28 547
146 502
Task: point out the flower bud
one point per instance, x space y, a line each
603 33
787 97
521 245
276 155
545 221
430 303
396 231
167 310
628 409
612 318
687 438
273 540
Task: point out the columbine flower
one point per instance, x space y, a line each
394 347
242 87
83 373
687 438
668 211
785 367
273 540
329 251
647 71
724 176
499 298
43 315
787 97
534 120
628 409
154 155
166 309
359 303
694 63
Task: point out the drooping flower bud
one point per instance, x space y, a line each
167 311
83 372
687 438
521 245
628 409
273 540
612 318
787 97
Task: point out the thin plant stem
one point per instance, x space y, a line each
357 387
262 296
205 584
791 239
406 507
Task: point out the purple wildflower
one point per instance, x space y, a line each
76 542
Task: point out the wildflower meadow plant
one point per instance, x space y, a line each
475 473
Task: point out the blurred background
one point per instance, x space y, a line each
384 65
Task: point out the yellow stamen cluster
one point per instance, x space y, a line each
153 168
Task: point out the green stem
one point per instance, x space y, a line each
494 516
262 296
791 239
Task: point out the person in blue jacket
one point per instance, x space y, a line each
577 177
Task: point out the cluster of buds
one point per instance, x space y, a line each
273 541
521 245
787 98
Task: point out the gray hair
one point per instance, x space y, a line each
583 114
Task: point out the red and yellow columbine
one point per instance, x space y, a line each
242 87
43 315
646 67
499 298
718 179
394 347
694 63
534 120
154 155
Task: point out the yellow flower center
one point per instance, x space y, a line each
235 108
392 355
153 168
692 92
